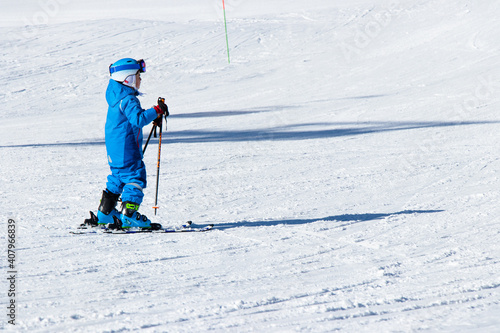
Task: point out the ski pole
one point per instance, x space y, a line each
159 156
149 138
225 25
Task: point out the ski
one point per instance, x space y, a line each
186 227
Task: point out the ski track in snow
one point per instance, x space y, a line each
348 157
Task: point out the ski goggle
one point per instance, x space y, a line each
140 66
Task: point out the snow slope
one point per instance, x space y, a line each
348 156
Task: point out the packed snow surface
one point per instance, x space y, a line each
348 156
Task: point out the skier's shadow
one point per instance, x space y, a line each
343 220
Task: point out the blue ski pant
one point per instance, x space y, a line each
129 182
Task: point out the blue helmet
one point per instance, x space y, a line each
121 69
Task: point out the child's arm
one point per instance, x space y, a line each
135 114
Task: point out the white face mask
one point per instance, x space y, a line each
130 81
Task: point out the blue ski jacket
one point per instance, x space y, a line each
124 123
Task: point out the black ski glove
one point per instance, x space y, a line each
161 108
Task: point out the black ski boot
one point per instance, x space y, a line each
107 208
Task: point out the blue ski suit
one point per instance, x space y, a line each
123 133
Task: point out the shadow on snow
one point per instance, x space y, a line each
295 132
349 218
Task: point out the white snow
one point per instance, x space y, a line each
348 155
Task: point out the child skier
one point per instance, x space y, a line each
123 134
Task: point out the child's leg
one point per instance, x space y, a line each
114 184
107 207
134 180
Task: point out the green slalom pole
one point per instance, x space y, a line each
225 25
